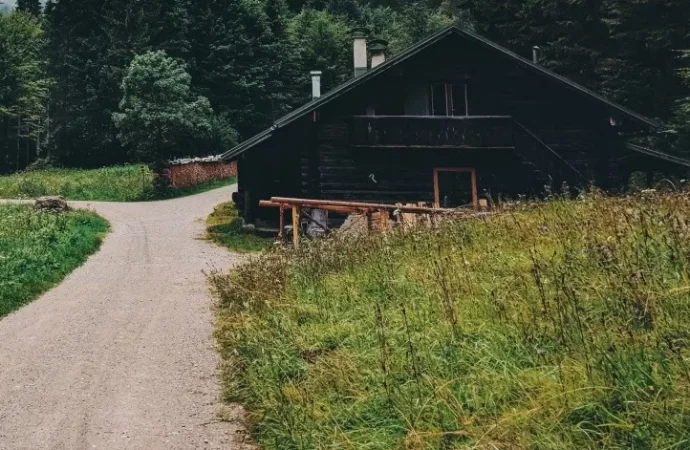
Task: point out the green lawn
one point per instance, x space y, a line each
224 228
563 327
37 250
119 183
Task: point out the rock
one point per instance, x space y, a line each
51 204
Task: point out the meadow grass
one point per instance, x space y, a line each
561 327
224 228
37 250
118 183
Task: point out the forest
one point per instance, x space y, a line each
77 78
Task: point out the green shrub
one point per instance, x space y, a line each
563 327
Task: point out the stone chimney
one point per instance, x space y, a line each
360 50
378 48
315 84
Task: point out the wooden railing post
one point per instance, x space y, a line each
295 226
281 233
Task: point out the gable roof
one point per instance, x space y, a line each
411 51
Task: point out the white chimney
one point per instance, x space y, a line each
315 84
535 54
360 50
378 48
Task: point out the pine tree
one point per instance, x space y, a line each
29 6
284 89
79 120
234 61
641 66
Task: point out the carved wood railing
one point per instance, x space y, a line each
432 131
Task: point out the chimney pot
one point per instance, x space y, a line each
378 48
315 83
360 50
535 54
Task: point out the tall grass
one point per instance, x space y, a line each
225 228
563 327
118 183
38 249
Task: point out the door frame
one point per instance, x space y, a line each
437 192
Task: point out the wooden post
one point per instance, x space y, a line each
295 226
437 193
281 234
475 196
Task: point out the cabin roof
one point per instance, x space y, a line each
413 50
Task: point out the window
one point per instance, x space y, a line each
448 99
439 99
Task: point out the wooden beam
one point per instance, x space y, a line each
356 206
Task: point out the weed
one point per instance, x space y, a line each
560 327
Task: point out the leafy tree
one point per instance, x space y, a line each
160 117
24 87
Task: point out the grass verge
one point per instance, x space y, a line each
119 184
558 328
224 228
37 250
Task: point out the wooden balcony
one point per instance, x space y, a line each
432 132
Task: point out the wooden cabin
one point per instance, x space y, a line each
451 120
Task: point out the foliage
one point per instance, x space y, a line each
38 249
29 6
323 42
160 118
117 184
562 327
225 228
251 58
24 85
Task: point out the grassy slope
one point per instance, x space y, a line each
225 229
559 328
119 183
37 250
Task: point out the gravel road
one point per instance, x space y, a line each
120 355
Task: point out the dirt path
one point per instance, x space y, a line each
120 355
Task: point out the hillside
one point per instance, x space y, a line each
558 327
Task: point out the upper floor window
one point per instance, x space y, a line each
448 99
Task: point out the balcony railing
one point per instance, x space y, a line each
432 132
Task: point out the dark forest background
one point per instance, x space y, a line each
62 66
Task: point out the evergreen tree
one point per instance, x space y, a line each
235 61
82 133
29 6
641 66
324 43
285 87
